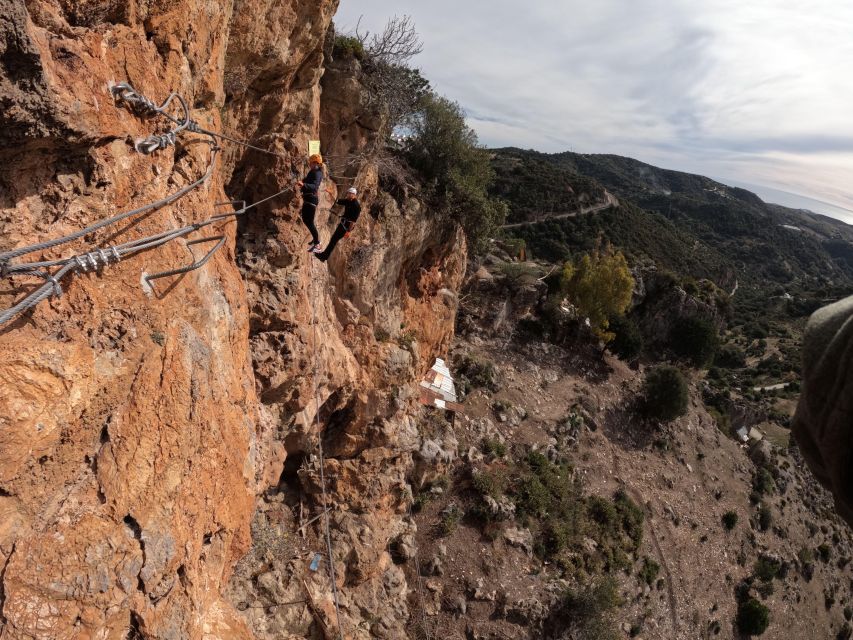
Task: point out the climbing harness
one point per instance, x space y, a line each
327 532
348 225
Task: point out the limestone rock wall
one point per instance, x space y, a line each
338 349
138 427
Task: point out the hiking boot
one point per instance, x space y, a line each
315 249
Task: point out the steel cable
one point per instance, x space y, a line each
328 535
158 204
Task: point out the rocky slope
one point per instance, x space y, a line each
490 576
139 428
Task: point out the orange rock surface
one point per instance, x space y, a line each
138 425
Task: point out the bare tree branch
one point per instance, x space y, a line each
398 42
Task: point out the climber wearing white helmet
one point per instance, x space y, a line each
352 209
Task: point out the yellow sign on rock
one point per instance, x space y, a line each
313 147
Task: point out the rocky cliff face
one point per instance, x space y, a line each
139 426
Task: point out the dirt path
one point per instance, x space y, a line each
638 498
609 201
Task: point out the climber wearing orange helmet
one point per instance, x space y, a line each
310 186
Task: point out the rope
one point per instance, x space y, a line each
426 627
328 535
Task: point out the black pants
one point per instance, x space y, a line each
309 209
340 231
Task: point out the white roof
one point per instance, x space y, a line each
440 381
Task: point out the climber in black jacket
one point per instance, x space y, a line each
352 209
311 198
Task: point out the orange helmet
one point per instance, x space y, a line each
316 158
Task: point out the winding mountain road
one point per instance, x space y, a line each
609 201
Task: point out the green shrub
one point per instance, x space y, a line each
586 612
763 483
765 589
664 395
766 569
723 420
755 331
346 46
450 519
532 498
602 511
407 340
649 571
494 448
520 273
765 518
824 552
730 357
729 520
475 373
694 339
752 617
492 484
805 555
631 515
628 340
549 500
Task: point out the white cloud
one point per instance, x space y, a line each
754 91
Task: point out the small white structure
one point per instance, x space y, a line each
438 389
743 434
755 435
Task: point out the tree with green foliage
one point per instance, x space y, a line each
753 617
695 339
664 394
445 151
628 340
730 357
600 285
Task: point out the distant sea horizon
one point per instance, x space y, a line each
792 200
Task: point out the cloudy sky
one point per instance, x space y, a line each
758 92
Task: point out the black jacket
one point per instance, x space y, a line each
352 209
311 183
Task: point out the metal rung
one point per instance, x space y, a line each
197 264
